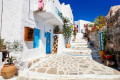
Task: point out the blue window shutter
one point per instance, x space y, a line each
36 38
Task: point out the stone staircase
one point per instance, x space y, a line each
80 47
77 63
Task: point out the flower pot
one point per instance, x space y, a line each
100 28
8 71
108 56
56 32
75 38
102 53
86 39
68 45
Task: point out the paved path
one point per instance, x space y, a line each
77 63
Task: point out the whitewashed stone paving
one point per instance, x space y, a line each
72 65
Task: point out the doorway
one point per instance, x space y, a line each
48 43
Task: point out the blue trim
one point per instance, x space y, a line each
77 55
36 38
48 42
58 12
101 40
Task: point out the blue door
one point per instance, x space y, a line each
48 42
36 38
101 40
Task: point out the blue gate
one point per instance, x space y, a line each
101 40
48 42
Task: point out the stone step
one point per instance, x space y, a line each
88 51
1 78
73 46
81 41
82 48
83 54
38 76
79 44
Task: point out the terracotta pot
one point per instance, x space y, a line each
86 39
56 32
102 53
108 56
75 38
8 71
100 28
68 45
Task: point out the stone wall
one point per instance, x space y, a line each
113 32
94 36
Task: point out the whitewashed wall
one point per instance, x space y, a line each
61 43
11 19
0 14
16 16
1 61
35 21
67 12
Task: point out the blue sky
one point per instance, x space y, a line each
90 9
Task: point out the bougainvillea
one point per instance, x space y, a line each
86 29
75 31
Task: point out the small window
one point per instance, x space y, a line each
29 33
77 26
82 31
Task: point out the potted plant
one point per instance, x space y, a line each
67 31
87 31
2 46
9 69
103 52
109 55
56 29
109 58
75 32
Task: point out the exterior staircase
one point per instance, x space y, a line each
87 66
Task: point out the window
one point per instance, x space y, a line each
77 26
82 31
28 34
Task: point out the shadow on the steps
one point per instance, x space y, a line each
96 57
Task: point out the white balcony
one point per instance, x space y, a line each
50 12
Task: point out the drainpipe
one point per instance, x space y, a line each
1 18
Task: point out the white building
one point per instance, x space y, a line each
21 18
80 25
67 12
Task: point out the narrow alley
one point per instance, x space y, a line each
78 62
